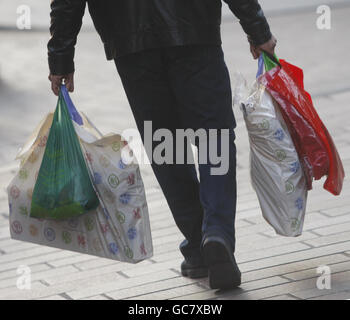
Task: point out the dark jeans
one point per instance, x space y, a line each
178 88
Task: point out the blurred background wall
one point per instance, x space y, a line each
25 95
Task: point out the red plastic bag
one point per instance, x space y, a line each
311 150
311 138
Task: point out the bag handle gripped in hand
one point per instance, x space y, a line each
267 61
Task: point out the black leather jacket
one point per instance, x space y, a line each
127 26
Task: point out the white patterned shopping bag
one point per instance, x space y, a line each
118 229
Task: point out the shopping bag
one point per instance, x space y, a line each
117 229
312 153
275 170
315 146
63 188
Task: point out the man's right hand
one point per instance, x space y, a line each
56 82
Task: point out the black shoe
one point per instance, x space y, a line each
223 269
194 269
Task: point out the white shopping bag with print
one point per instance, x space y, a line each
118 229
276 174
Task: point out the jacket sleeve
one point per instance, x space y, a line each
252 20
66 21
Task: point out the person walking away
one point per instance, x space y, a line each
169 57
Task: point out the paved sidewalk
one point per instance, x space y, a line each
273 267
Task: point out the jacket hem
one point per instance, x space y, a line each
158 38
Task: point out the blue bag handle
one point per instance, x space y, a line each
74 114
260 66
261 62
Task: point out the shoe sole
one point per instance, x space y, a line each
195 273
223 271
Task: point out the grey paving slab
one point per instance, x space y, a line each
54 297
169 293
339 283
338 211
98 297
154 290
57 272
325 240
12 273
342 295
282 297
266 292
83 292
312 273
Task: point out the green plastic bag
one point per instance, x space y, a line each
63 188
270 61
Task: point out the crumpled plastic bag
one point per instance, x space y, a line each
275 170
63 188
118 229
314 144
